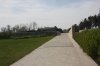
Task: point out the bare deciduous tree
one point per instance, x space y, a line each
29 26
16 28
34 25
4 29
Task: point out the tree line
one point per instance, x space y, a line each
19 28
27 30
88 23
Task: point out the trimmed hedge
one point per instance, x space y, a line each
89 40
22 35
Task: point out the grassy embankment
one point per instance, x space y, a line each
89 40
12 50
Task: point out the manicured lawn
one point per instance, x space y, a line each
12 50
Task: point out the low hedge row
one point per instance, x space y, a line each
89 40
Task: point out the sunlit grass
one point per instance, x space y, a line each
13 49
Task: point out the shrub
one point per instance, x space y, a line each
89 40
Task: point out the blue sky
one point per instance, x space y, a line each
62 13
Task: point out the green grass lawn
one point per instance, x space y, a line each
12 50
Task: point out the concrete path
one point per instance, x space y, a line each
60 51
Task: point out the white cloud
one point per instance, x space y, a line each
32 10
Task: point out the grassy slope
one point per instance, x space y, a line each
89 40
11 50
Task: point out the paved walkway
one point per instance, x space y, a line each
60 51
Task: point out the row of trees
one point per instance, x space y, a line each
88 23
19 28
16 31
27 30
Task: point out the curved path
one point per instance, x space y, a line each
60 51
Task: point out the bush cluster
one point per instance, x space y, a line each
89 40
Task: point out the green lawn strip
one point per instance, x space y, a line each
12 50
